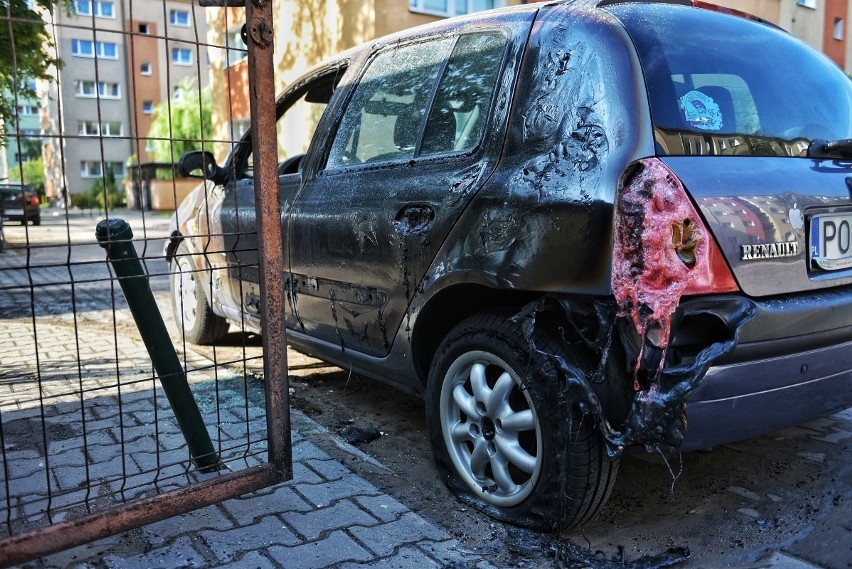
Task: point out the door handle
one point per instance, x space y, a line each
414 218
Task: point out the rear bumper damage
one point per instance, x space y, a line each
735 367
792 363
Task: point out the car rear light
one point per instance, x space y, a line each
662 250
34 200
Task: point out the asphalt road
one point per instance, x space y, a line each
783 500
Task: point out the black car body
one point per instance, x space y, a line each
19 202
572 225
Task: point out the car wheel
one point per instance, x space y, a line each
506 438
37 221
197 321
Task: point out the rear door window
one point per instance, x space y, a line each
451 79
383 118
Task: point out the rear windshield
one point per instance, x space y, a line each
722 85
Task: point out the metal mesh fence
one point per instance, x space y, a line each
94 134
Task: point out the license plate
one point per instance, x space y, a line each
15 212
831 241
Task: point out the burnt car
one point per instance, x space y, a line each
571 226
19 202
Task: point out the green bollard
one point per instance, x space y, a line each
115 236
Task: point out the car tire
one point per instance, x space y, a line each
547 471
37 221
193 314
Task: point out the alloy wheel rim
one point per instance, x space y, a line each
490 428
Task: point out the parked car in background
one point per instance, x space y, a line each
570 225
19 202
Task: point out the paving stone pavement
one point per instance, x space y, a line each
84 421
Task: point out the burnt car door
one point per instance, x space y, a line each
299 111
415 142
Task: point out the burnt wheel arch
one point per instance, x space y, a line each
449 307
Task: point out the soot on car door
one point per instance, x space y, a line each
406 158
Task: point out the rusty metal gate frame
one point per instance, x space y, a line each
40 542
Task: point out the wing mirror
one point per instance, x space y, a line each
201 164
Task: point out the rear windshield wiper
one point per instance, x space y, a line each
830 148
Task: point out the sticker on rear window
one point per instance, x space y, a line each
701 111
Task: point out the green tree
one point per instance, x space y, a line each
25 52
105 192
31 173
182 122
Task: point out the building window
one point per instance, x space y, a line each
237 49
85 89
92 128
27 110
145 68
105 90
808 3
109 90
179 18
838 29
107 50
453 7
94 169
144 30
104 9
149 146
101 49
82 48
101 8
181 56
148 107
90 169
87 128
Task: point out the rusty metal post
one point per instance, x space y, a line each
271 259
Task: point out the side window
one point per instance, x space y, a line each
296 126
382 121
458 116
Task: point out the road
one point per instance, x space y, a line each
783 500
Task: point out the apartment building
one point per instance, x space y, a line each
121 58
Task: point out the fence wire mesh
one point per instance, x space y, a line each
100 99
